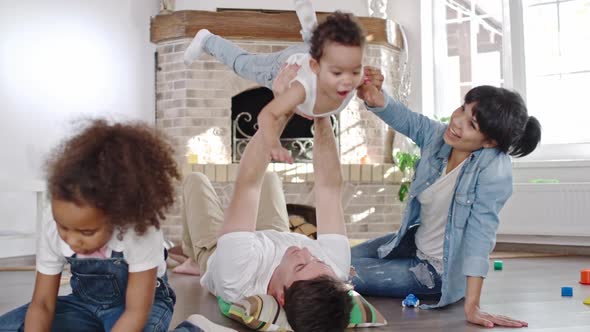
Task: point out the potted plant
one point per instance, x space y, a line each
406 163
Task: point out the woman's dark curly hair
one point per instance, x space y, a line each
125 170
339 27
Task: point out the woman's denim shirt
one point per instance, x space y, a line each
483 186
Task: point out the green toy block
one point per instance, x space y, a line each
498 265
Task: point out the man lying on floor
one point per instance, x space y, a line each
250 250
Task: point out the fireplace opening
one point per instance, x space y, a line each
297 136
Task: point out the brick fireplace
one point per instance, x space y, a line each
193 107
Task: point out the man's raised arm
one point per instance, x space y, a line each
242 211
328 179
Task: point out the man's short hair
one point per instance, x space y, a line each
321 304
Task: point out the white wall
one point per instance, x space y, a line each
60 61
408 15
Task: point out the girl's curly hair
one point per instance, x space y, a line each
125 170
341 28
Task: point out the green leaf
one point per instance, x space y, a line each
403 191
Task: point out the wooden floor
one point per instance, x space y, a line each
527 288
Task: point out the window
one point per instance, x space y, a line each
472 54
557 57
540 48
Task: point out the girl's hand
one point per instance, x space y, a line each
370 90
42 308
285 75
141 289
476 316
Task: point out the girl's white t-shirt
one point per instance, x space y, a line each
140 252
309 79
244 262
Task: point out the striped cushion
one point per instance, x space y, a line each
363 313
263 313
259 312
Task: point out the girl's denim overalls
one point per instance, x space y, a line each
98 299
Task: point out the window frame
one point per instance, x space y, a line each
513 71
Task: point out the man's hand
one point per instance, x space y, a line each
370 90
476 316
281 83
285 75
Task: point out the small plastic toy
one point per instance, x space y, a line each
587 301
411 301
567 291
585 277
498 265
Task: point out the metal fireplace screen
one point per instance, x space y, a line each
297 136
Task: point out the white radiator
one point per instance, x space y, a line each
14 241
547 213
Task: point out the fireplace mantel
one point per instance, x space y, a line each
246 25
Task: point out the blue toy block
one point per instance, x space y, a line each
410 301
567 291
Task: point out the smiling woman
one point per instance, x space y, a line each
464 134
462 181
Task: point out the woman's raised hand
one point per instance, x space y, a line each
370 90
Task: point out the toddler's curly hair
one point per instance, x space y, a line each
341 28
126 170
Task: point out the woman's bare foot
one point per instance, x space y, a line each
189 266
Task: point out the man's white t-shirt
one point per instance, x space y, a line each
140 252
244 262
309 79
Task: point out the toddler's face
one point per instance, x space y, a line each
84 228
339 70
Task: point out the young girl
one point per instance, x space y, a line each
330 64
109 187
462 181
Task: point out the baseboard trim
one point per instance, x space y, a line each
543 248
573 241
27 260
